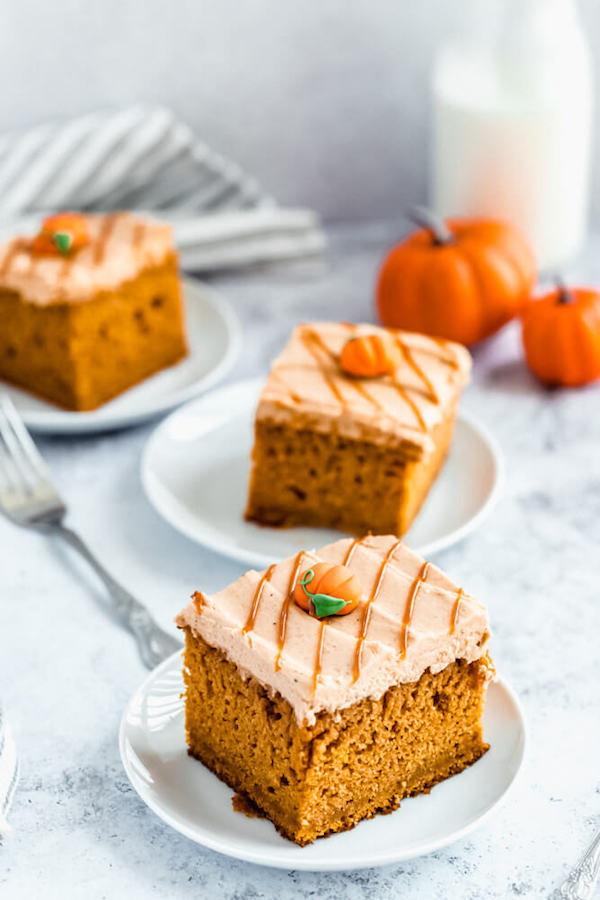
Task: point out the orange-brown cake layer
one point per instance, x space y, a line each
312 780
303 477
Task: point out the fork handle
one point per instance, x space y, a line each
153 643
582 881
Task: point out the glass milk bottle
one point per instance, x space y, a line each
512 127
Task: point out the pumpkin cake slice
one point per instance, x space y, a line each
352 427
89 307
335 683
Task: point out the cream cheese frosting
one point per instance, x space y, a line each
413 619
307 388
120 246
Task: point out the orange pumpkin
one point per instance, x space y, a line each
370 355
462 279
327 590
61 235
561 336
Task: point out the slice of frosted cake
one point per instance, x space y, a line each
89 307
354 447
335 683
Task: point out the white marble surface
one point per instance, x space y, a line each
67 669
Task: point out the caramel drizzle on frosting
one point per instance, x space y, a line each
256 600
198 599
316 346
316 339
456 610
285 608
33 261
309 339
364 393
312 339
295 397
409 400
138 234
9 256
443 345
283 615
350 552
321 642
319 657
367 608
105 231
368 611
411 361
104 234
410 607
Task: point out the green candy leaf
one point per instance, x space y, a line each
62 240
325 605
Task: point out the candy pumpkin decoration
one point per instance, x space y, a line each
561 336
327 590
61 235
370 355
462 279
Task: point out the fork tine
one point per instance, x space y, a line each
19 443
10 478
15 464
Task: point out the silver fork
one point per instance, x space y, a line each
29 499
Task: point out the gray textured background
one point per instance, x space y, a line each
326 102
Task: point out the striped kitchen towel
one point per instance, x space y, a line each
9 772
144 158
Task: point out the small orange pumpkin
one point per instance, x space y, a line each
462 279
327 590
561 336
61 235
370 355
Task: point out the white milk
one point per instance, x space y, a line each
512 127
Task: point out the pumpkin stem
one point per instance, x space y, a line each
436 227
564 294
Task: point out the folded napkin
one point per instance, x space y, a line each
143 158
9 772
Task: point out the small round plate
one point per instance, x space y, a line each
189 798
195 473
213 334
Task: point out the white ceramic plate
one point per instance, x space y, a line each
195 472
189 798
213 337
